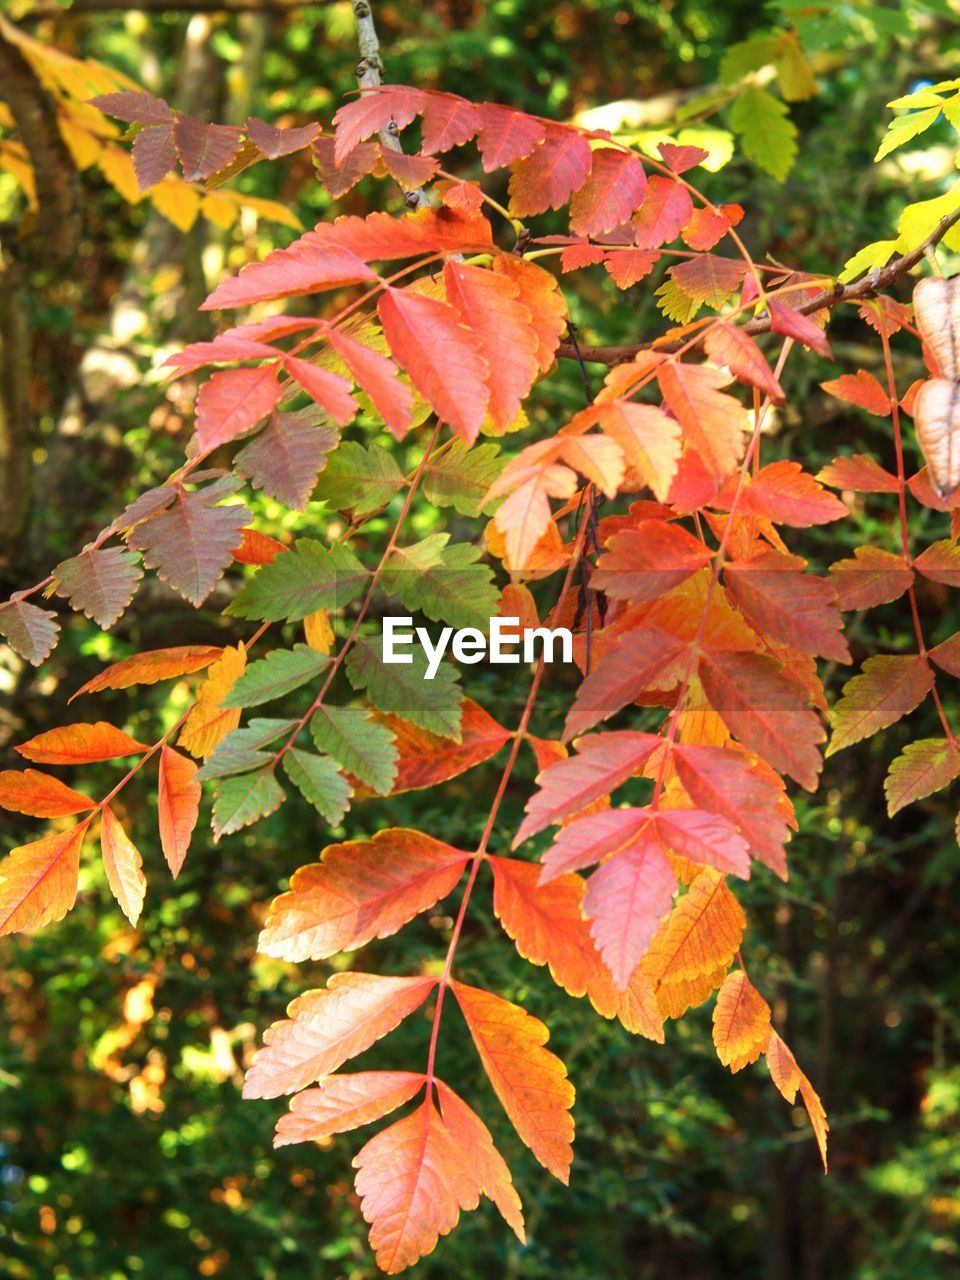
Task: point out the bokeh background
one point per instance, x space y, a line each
125 1149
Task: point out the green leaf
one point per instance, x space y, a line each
239 751
748 55
793 72
304 579
278 673
319 781
443 582
244 800
461 476
358 743
870 258
405 690
767 134
358 479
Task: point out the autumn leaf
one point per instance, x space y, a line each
794 607
923 768
887 689
665 211
615 188
80 744
788 1078
209 721
151 666
714 423
860 473
871 577
38 881
360 890
860 389
39 795
648 560
741 1022
625 901
700 935
123 865
345 1102
100 583
647 658
232 401
530 1081
551 173
486 1169
30 631
178 805
327 1028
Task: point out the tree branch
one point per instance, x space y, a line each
861 290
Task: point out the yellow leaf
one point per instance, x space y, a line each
177 201
903 128
117 167
268 209
208 723
13 160
918 220
870 258
218 210
318 632
84 148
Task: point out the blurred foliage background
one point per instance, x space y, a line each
125 1149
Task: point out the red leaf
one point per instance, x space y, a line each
305 267
588 840
341 178
285 459
99 582
726 344
136 107
887 689
644 659
862 389
257 548
123 865
647 561
327 1028
154 155
873 577
274 141
361 890
708 227
613 191
794 607
551 173
39 795
440 355
603 761
227 347
859 473
328 390
724 782
204 149
786 494
38 881
409 172
530 1081
489 306
178 804
680 159
505 135
372 111
426 760
379 238
345 1102
764 710
666 210
80 744
940 562
947 655
541 295
714 423
792 324
707 838
625 901
232 401
448 122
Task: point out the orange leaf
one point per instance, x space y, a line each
80 744
208 722
377 375
360 890
178 804
38 881
741 1022
551 173
257 548
793 607
329 1027
149 667
872 577
426 760
788 1078
345 1102
648 560
887 688
486 1166
700 935
859 473
123 865
540 294
862 389
412 1187
627 267
726 344
940 562
714 423
546 923
530 1081
650 441
489 305
923 768
644 659
39 795
613 191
